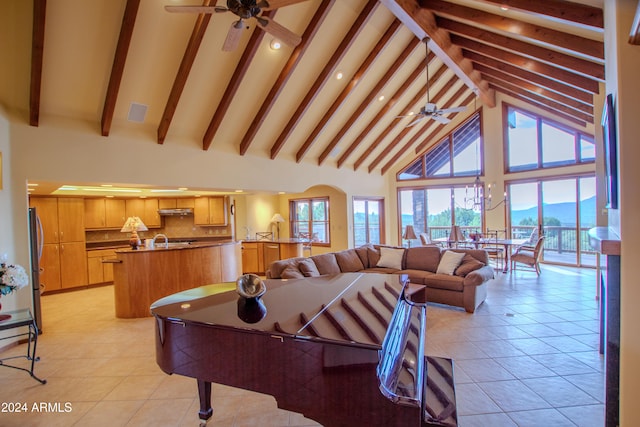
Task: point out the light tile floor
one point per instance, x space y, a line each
527 357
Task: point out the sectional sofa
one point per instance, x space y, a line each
456 277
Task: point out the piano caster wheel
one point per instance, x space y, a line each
203 423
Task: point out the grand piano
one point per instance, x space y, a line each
342 350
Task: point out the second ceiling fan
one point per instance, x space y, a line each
245 9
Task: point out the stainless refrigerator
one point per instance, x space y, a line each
36 240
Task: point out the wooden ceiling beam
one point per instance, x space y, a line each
405 148
580 115
494 76
537 79
37 53
364 67
234 84
567 77
567 62
409 105
188 58
544 107
578 14
569 43
119 61
383 111
366 102
347 41
286 72
422 23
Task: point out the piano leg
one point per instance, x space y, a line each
204 393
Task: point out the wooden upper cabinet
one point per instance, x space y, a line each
210 211
134 207
104 213
167 203
47 211
71 220
94 211
115 213
151 217
186 202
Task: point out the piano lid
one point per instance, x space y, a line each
352 308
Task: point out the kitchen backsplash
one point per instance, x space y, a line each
173 226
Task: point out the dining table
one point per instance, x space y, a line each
507 244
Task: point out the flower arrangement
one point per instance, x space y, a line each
12 277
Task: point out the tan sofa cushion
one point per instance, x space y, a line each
291 272
419 277
277 267
445 281
423 258
373 254
308 268
349 261
468 265
326 263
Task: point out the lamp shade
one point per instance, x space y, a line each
277 218
409 233
133 223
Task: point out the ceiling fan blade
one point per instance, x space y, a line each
452 110
440 119
233 37
278 31
274 4
196 9
419 119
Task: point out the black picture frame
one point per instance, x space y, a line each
609 137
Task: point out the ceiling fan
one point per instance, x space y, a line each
431 110
245 9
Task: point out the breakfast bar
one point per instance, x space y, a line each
145 275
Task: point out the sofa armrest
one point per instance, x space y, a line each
479 276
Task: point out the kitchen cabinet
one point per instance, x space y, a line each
145 209
99 272
257 256
63 263
210 211
186 202
104 213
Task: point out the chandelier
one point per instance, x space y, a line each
474 197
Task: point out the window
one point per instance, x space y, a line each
368 220
534 142
433 210
458 154
310 216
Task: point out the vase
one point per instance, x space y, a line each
4 317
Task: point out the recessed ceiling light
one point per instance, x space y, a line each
238 191
183 188
339 75
106 185
504 7
32 184
381 98
275 44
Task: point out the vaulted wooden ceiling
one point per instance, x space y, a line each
288 103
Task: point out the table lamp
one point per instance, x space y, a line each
277 219
133 225
409 234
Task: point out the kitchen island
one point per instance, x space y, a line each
145 275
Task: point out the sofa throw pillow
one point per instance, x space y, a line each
291 272
308 268
449 262
326 263
349 261
390 258
468 265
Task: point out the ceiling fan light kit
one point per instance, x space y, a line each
246 9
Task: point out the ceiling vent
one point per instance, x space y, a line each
137 112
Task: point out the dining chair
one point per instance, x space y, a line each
528 256
495 250
307 242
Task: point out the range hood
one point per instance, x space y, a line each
175 211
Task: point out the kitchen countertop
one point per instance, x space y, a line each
176 246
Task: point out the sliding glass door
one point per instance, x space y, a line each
566 209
